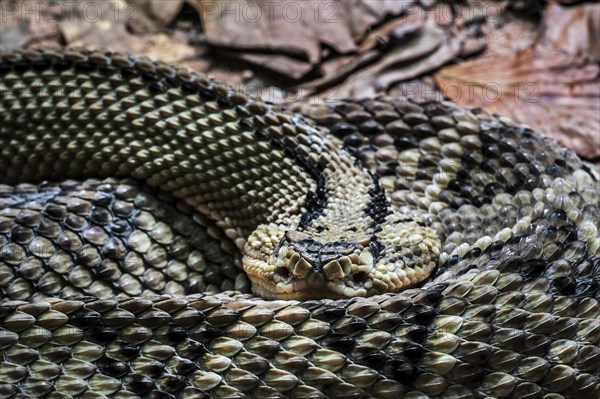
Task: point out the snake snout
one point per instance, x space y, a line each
335 265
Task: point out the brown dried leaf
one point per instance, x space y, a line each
290 27
335 70
427 51
556 93
28 22
109 32
293 29
105 29
574 29
169 48
292 67
152 15
366 13
13 37
417 42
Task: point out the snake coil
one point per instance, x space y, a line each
401 249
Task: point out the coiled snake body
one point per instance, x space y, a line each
402 249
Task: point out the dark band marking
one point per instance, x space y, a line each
379 207
315 202
589 171
377 250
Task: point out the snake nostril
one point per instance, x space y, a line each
359 277
284 272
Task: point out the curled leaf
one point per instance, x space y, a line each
554 92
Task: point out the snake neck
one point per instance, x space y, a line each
307 218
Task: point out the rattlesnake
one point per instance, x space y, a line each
401 248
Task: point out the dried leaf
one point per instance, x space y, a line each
366 13
288 26
13 37
556 93
291 67
24 23
429 50
169 48
402 30
105 29
152 15
419 41
292 29
109 32
574 29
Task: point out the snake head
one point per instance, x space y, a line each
291 264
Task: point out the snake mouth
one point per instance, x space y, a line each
345 277
284 285
291 275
